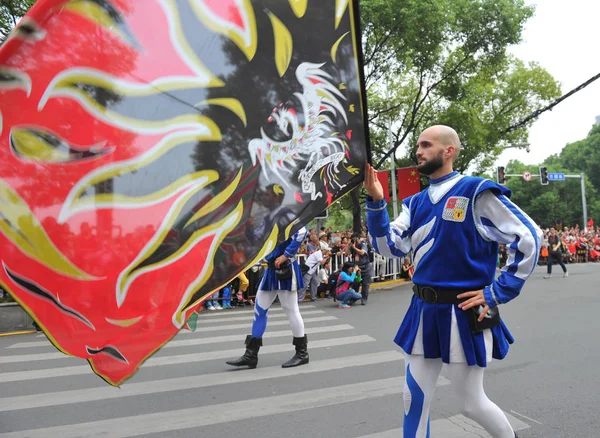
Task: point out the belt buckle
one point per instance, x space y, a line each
435 295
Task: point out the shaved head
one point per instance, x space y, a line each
434 154
448 137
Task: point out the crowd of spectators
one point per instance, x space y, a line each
578 245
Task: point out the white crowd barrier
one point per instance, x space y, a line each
383 268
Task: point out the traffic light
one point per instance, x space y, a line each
500 175
544 175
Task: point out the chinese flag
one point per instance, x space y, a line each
409 182
384 178
590 223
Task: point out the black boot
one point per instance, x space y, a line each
301 356
250 357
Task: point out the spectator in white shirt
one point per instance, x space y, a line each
311 277
323 279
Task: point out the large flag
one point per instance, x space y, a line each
144 143
409 182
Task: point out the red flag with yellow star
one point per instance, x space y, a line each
409 182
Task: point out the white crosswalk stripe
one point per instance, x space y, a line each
34 381
248 325
245 317
273 309
213 339
457 426
157 361
133 389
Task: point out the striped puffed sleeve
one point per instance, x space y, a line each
389 239
294 245
500 220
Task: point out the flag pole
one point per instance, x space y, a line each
393 172
393 159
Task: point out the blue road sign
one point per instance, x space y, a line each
556 176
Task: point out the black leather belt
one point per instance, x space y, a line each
434 295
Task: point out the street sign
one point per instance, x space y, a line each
526 176
554 176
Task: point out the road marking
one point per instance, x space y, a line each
526 417
215 339
248 325
221 413
457 426
154 361
215 314
195 382
249 317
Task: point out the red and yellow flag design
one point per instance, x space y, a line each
137 138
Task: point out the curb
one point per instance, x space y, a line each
22 332
384 285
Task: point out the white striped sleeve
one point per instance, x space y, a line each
388 239
296 242
500 220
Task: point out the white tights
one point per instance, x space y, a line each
419 387
289 304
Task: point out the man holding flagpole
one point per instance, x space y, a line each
453 227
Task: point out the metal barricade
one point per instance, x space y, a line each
384 269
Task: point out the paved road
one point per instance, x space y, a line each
548 385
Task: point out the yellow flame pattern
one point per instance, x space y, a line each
76 201
299 7
217 201
21 227
246 41
99 15
340 9
220 230
284 45
334 49
131 273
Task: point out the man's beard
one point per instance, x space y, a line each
431 166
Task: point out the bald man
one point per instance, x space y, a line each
453 228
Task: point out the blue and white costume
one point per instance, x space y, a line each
453 228
270 287
279 218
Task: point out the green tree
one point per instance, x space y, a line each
559 202
11 12
584 156
445 62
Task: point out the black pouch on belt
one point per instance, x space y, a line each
491 319
284 272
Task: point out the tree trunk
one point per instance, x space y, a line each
356 216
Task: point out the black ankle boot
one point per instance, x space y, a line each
250 357
301 356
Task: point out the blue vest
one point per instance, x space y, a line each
453 254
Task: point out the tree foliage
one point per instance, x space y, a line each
11 12
560 202
446 61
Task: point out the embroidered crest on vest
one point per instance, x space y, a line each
455 209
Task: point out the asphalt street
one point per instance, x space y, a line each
548 385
